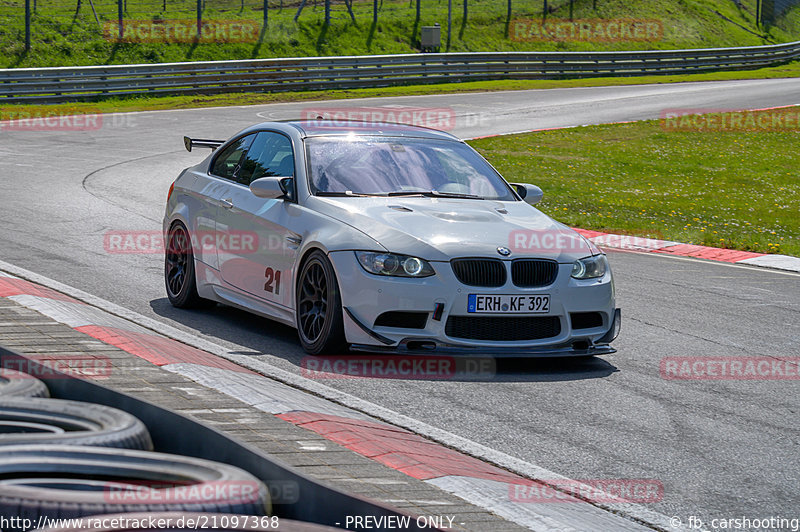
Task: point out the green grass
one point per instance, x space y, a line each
731 190
63 37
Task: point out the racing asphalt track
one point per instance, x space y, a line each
721 448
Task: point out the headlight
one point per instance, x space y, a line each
590 267
393 264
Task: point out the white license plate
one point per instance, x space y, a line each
507 304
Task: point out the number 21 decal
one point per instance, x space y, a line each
273 283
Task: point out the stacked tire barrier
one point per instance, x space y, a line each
62 459
48 470
55 421
17 384
68 481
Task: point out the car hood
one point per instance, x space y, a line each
443 228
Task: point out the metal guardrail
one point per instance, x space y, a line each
60 84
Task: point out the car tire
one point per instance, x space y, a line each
69 481
318 313
17 384
131 522
179 271
56 421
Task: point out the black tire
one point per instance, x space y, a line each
179 273
63 481
56 421
318 313
17 384
186 520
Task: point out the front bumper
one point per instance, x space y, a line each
366 296
416 346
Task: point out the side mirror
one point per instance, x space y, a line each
530 193
269 187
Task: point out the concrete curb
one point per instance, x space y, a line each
651 245
407 445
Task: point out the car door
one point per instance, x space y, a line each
255 250
213 188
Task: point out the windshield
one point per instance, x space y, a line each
356 165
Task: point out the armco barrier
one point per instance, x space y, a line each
60 84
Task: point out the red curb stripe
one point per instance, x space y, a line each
683 250
10 286
397 448
355 426
588 233
705 252
156 349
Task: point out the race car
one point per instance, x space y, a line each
382 238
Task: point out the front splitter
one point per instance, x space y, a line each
408 348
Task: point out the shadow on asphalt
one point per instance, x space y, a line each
263 336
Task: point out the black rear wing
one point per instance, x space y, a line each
201 143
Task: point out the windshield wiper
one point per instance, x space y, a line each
426 193
433 194
346 193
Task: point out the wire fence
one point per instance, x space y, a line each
766 11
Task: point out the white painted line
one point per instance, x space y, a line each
545 517
515 465
264 394
780 262
738 265
75 314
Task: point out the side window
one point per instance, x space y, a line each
228 162
270 155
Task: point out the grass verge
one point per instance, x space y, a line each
64 32
737 190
